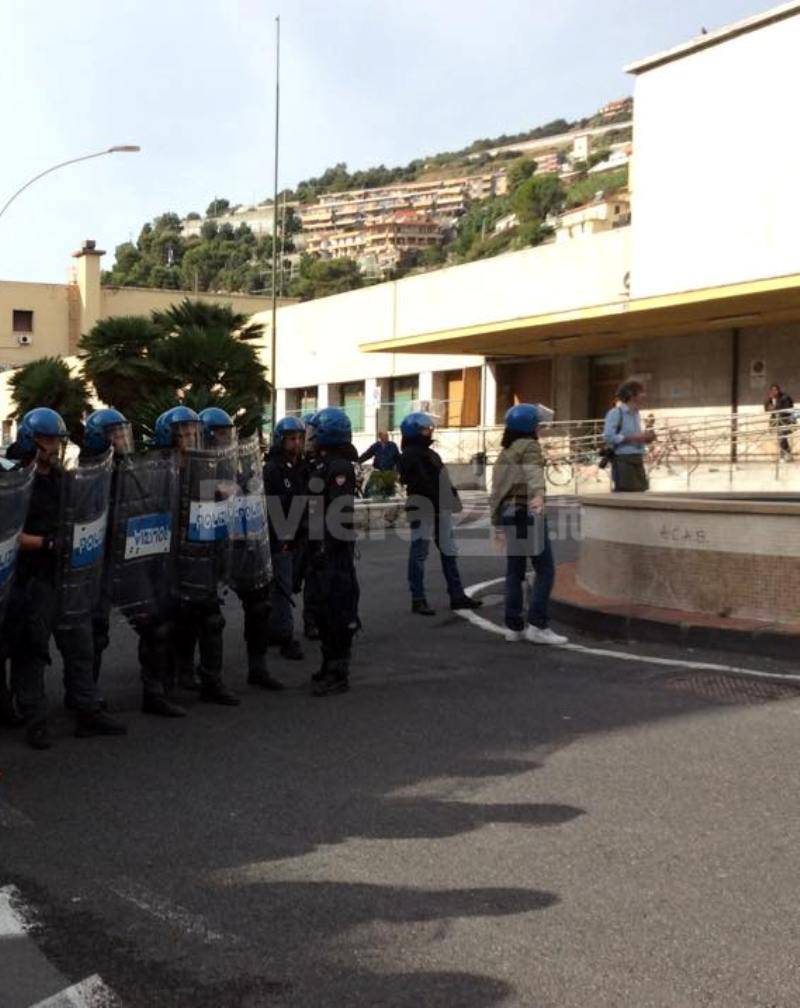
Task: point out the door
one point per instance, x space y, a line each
606 375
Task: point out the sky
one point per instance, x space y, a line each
367 83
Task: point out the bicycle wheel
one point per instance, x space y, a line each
682 457
558 472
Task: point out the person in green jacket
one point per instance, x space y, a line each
517 514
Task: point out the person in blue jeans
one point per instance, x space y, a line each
517 514
432 501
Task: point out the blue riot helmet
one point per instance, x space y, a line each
290 425
522 419
107 428
330 427
39 423
179 427
417 424
218 429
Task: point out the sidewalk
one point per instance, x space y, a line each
606 617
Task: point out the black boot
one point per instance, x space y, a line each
465 602
421 607
335 679
258 674
215 691
38 735
157 703
97 722
189 680
291 649
9 715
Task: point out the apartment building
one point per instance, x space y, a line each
379 244
257 216
601 214
377 225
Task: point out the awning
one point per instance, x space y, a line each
598 328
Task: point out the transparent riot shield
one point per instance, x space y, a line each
140 568
250 557
208 489
15 495
82 536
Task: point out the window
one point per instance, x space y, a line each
400 396
22 320
349 396
301 400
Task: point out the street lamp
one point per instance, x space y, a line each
119 149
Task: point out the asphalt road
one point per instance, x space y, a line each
475 824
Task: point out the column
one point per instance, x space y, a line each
489 396
426 388
322 396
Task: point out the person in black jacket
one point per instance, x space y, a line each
780 407
432 502
285 477
333 589
33 606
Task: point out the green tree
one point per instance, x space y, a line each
217 207
603 182
537 197
49 382
323 277
521 169
119 360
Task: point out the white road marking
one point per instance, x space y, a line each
92 992
12 923
170 913
495 628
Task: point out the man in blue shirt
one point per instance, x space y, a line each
623 434
383 480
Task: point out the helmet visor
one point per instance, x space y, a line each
120 437
187 435
221 437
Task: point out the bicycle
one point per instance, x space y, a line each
675 453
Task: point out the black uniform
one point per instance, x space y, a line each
332 580
34 597
285 482
155 652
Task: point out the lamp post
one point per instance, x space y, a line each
119 149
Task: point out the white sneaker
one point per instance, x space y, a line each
538 636
512 636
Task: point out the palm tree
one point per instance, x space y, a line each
202 350
48 382
206 315
191 353
119 360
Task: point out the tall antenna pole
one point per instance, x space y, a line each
274 334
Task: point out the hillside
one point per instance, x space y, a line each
223 254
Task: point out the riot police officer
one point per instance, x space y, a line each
137 577
207 478
249 574
285 483
333 584
432 502
15 491
34 603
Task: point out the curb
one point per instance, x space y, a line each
609 622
